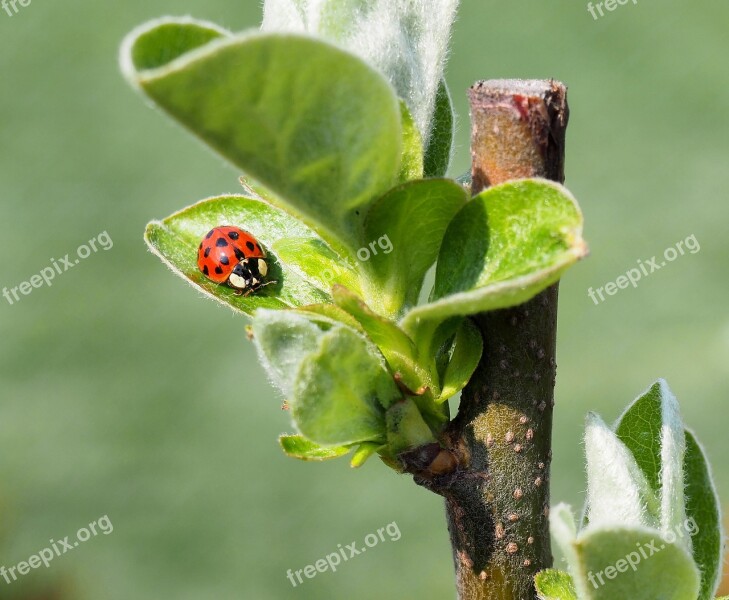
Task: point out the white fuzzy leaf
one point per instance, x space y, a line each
673 450
405 39
564 531
617 490
652 429
283 339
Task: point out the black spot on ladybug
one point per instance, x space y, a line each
239 254
219 270
259 247
207 252
221 242
205 271
233 235
200 245
250 246
223 258
210 234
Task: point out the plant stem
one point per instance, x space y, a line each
497 503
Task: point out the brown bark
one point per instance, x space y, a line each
497 503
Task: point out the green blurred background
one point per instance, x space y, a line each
124 394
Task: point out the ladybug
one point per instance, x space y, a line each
233 256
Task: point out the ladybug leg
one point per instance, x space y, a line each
263 285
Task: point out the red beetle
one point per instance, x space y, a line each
233 256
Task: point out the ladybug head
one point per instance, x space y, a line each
249 274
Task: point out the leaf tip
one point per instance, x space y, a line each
139 52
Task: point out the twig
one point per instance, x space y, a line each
497 502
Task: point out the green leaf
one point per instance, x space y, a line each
314 261
652 429
412 153
341 390
176 239
618 492
336 381
364 452
404 229
406 428
283 339
505 246
332 312
400 354
666 572
397 348
299 447
467 350
563 528
323 135
163 40
438 154
702 510
616 562
552 584
407 41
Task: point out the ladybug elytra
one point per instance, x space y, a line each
233 256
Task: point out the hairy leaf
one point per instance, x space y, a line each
163 40
703 512
407 41
323 134
332 312
283 339
506 245
552 584
406 428
412 153
341 391
316 262
404 229
634 563
652 429
440 148
297 446
400 353
611 562
176 239
467 350
397 348
364 452
563 528
617 490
